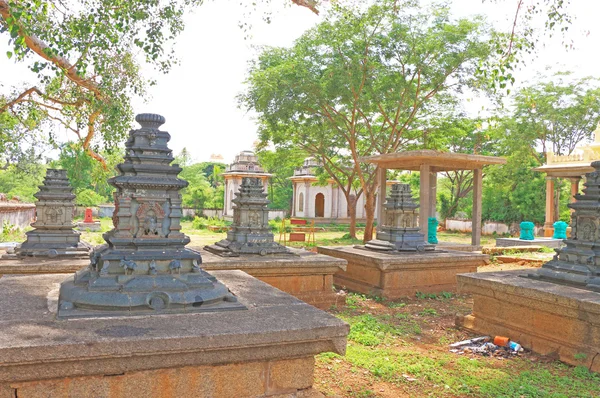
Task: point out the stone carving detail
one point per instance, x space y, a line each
150 216
250 232
400 231
144 267
53 232
578 263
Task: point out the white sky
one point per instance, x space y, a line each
198 97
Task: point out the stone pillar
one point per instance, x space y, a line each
306 195
574 189
433 190
381 193
424 195
548 229
476 213
294 198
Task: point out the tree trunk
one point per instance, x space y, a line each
370 204
351 199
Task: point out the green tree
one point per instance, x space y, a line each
281 163
459 134
88 177
356 84
84 57
556 114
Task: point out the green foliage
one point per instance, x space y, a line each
85 57
206 184
87 176
22 181
87 197
204 223
361 82
281 163
10 233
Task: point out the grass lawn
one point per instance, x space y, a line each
400 349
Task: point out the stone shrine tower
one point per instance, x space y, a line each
245 165
250 232
400 231
145 267
578 264
53 232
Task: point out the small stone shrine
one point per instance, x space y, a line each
399 231
88 222
53 233
145 267
578 264
250 232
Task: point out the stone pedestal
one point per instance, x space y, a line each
545 317
53 233
307 276
548 242
399 230
250 233
267 350
399 275
88 222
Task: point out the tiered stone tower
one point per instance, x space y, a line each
53 234
578 263
145 267
399 231
250 232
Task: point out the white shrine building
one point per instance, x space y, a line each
245 165
321 202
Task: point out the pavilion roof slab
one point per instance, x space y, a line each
438 161
566 170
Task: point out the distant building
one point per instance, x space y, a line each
216 158
314 201
245 165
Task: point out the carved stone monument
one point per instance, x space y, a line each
53 232
250 232
399 231
145 267
578 264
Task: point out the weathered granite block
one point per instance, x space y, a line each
266 350
393 276
545 317
305 275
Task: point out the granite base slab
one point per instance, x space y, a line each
403 274
548 242
305 275
265 350
547 318
11 264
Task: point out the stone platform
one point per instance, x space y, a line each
16 265
548 242
461 247
547 318
400 275
305 275
266 350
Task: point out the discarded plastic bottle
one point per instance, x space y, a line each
516 347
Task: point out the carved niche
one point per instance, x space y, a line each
150 217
